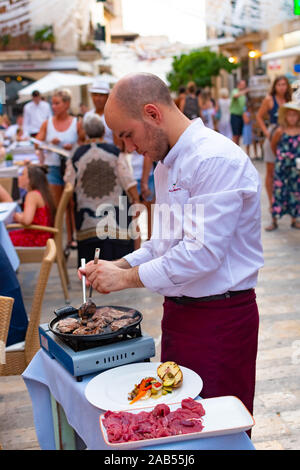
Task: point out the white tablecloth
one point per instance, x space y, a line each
9 171
7 210
45 375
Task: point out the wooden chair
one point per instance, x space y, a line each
19 355
7 184
35 254
6 305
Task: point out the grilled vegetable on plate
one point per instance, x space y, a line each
170 376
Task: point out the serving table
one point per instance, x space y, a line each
65 419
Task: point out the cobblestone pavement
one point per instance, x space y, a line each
277 399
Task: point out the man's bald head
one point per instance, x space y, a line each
134 91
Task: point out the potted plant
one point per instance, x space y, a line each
4 42
9 159
45 37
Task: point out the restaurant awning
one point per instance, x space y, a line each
54 81
290 52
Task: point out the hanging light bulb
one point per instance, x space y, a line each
233 59
254 54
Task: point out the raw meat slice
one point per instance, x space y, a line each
123 426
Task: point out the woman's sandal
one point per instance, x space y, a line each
72 245
295 225
271 227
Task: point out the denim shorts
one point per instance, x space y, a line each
54 175
237 124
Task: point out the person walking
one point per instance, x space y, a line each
237 108
100 174
223 113
280 94
143 173
35 113
189 103
247 127
180 96
206 266
100 91
207 110
62 130
285 144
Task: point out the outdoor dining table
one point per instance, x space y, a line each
62 413
7 209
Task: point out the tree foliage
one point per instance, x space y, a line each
198 66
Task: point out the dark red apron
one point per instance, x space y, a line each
216 339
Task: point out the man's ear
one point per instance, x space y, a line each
152 113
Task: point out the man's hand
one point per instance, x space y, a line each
106 276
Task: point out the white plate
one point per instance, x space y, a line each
223 415
109 390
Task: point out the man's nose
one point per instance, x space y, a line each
130 146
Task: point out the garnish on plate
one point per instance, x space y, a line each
170 377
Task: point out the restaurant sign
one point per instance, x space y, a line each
31 65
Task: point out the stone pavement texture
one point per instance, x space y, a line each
277 399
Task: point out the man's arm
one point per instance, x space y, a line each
106 277
240 93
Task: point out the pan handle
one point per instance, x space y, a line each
68 309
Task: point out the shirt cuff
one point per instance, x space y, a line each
138 257
153 275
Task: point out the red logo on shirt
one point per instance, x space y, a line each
174 188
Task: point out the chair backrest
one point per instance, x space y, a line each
61 209
7 184
6 305
32 344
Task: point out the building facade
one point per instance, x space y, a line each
41 36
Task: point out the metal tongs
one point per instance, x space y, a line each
88 308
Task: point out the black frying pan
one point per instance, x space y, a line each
107 334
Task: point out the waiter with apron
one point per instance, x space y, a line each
205 252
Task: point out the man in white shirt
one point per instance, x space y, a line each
35 113
205 256
99 92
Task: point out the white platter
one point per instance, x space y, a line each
223 415
109 390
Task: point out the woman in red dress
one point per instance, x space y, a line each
39 207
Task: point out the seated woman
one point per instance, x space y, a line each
39 207
10 287
100 175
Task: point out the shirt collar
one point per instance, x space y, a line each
183 141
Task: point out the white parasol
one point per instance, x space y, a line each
54 81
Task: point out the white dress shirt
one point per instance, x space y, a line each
218 247
35 115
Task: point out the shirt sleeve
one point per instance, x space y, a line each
216 202
26 119
142 255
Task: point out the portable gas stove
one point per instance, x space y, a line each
99 356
